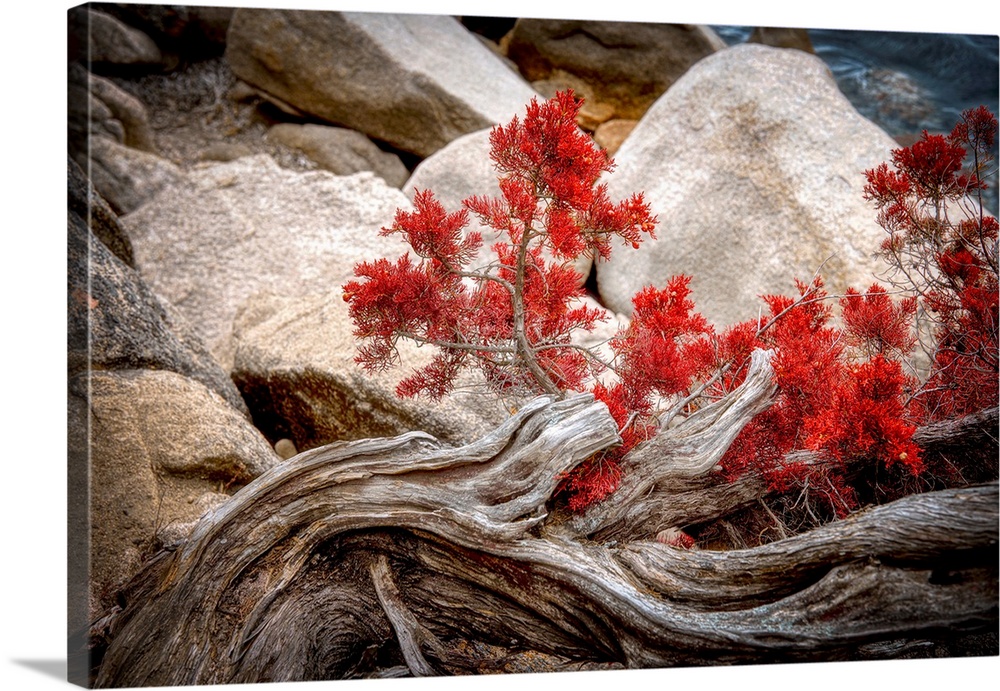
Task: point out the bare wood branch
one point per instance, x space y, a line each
690 449
392 556
410 634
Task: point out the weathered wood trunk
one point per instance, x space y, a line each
403 556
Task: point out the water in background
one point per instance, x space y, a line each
907 82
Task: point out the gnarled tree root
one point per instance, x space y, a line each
402 556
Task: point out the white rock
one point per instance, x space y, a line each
294 361
230 230
414 81
754 163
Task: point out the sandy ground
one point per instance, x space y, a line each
203 112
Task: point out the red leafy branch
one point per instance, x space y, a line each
942 249
841 391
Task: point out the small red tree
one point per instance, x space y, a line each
942 248
511 318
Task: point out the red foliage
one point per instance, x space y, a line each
599 476
665 344
806 355
964 379
951 265
434 234
866 418
511 319
591 481
876 325
843 409
548 157
424 300
842 391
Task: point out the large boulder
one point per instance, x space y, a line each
340 150
161 449
106 42
115 321
294 363
753 162
414 81
230 230
625 64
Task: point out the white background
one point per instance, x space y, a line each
32 392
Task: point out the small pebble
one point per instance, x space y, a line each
285 448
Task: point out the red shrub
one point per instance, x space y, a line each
942 247
842 392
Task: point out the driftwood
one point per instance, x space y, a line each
402 556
